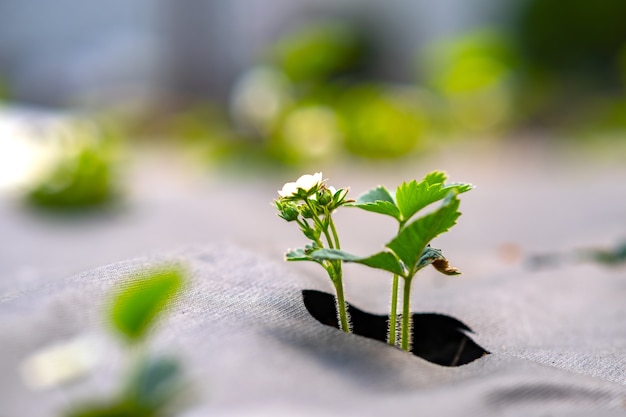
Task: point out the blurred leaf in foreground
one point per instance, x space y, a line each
137 304
156 384
153 390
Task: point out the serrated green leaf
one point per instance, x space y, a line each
379 193
413 196
411 241
382 260
378 200
136 306
460 187
435 177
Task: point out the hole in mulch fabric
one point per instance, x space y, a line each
437 338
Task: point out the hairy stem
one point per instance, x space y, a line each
342 308
393 315
407 331
392 337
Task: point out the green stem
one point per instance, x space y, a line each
304 226
332 229
393 316
406 316
330 242
319 224
342 308
392 337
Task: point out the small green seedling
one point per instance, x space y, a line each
410 250
310 203
154 384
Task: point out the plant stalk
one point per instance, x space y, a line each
407 331
334 231
319 224
342 308
393 315
392 337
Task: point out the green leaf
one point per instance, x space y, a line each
300 254
435 177
378 200
412 240
386 261
434 257
139 302
379 193
155 383
297 255
381 260
413 196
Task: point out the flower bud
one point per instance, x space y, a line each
289 212
311 233
324 196
306 212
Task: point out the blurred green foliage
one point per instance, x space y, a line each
470 63
578 37
136 306
155 384
153 390
572 57
316 52
306 132
324 105
82 175
311 97
476 75
4 90
382 121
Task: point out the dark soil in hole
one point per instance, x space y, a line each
437 338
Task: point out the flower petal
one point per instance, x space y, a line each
288 190
305 182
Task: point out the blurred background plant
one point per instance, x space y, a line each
154 383
82 173
249 86
477 77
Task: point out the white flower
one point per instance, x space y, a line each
288 190
305 183
62 362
